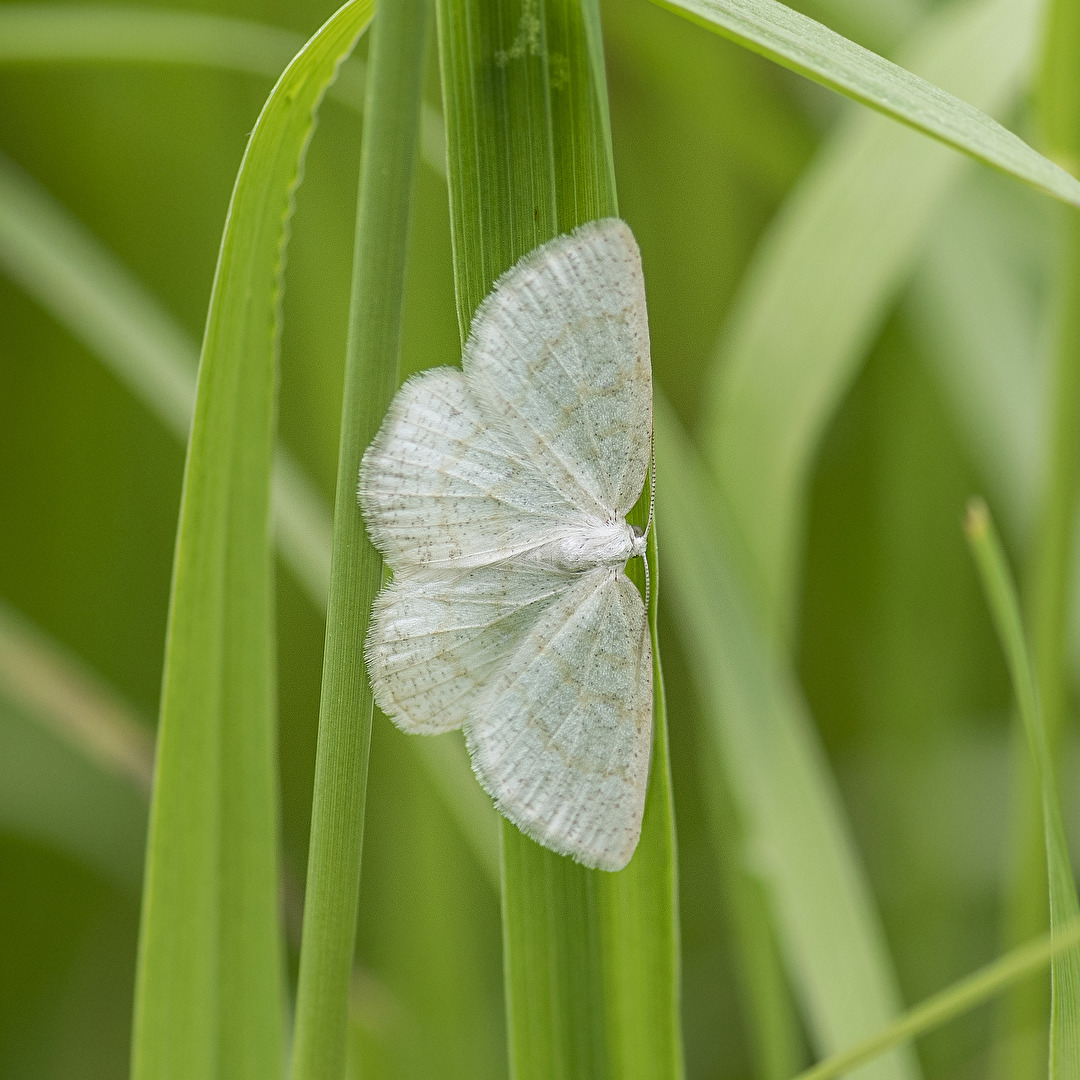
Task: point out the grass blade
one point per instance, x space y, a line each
954 1001
590 958
875 25
1052 571
805 46
822 282
65 801
387 164
210 972
86 289
797 837
1064 907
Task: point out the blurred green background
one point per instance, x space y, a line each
894 646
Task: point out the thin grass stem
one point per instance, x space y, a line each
963 996
371 375
1064 907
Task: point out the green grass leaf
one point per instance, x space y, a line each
43 678
798 841
387 164
1052 577
1064 907
771 1013
805 46
821 283
1052 571
966 994
210 979
591 959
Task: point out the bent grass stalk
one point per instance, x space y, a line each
823 280
1005 608
388 159
590 959
1052 572
210 971
978 988
810 49
759 731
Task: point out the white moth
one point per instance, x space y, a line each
498 495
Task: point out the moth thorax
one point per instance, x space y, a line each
587 546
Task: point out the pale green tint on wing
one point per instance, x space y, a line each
558 357
434 642
561 737
441 488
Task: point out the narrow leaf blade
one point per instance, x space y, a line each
798 840
210 970
388 159
805 46
822 281
1064 906
590 958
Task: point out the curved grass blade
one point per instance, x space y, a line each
966 994
1064 907
1051 575
590 959
876 25
797 837
387 164
772 1019
822 282
36 34
210 973
805 46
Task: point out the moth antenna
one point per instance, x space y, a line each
652 507
645 563
652 478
